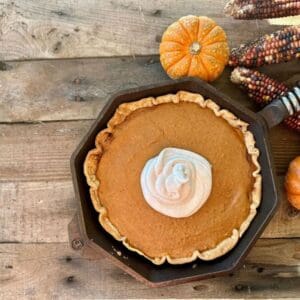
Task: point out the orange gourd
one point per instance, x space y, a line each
194 46
292 183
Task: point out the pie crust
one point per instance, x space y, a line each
123 111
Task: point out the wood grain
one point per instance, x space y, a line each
69 89
64 29
36 212
53 271
78 89
41 151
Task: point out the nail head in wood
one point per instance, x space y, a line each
77 244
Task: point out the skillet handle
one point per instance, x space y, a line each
285 106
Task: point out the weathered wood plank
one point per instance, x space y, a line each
69 89
77 89
42 151
39 151
36 211
39 212
52 271
52 29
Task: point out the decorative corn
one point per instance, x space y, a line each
262 9
280 46
293 122
263 89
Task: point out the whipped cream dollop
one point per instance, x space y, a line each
176 182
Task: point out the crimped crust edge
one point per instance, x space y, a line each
93 158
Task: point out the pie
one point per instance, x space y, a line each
138 132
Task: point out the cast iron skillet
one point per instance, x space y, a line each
92 234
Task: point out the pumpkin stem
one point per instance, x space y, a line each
195 48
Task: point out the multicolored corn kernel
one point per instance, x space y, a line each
263 89
262 9
280 46
293 122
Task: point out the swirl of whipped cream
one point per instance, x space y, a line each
176 182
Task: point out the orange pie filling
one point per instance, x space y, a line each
162 215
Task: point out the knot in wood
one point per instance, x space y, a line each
77 81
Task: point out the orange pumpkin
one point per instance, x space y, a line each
292 183
194 46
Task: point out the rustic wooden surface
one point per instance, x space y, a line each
46 106
41 271
77 89
59 29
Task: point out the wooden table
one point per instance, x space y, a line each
59 62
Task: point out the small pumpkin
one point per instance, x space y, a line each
292 183
194 46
